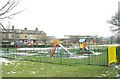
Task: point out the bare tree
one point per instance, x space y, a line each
6 11
115 23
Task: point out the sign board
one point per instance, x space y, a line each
112 54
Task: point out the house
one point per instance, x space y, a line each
34 37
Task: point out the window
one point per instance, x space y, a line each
37 36
12 36
25 36
18 37
18 31
10 30
4 36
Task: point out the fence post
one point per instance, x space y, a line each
60 57
118 54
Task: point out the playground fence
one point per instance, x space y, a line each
118 54
98 55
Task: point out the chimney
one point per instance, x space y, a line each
36 29
25 28
12 27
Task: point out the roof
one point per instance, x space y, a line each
24 31
82 40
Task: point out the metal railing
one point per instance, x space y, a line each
97 55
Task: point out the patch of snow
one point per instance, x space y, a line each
79 57
6 61
117 67
42 68
25 54
103 75
33 72
118 75
13 72
3 60
8 73
96 53
108 45
107 71
34 48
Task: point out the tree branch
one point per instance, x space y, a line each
9 16
3 26
6 11
5 5
9 7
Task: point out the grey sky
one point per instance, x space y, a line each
63 17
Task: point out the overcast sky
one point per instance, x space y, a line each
66 17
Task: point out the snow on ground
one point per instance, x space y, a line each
96 53
108 45
24 54
85 55
3 60
79 57
34 48
117 67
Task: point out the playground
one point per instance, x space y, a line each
83 54
83 60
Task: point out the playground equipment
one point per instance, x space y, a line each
56 43
83 44
84 48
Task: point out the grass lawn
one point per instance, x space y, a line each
38 69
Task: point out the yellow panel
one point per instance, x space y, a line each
83 45
56 42
112 54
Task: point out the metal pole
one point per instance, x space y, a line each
118 32
60 56
0 52
118 21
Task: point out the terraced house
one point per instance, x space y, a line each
34 37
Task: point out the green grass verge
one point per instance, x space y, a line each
38 69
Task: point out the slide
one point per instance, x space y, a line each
65 49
